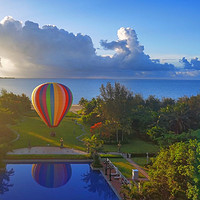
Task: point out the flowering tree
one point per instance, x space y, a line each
95 127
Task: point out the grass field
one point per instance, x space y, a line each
124 167
134 146
34 132
141 160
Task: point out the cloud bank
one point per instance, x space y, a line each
28 50
193 64
130 54
45 51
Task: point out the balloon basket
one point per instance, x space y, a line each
53 134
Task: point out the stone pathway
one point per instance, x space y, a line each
83 131
46 150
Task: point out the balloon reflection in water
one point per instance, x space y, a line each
51 175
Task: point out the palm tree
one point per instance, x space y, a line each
175 117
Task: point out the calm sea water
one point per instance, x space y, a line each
89 88
55 181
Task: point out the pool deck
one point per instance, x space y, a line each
31 161
46 150
115 184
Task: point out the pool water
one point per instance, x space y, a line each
53 181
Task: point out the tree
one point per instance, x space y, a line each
4 149
93 144
194 111
12 107
167 102
96 128
91 111
116 101
16 104
175 118
116 104
153 103
142 119
138 100
83 101
132 193
175 173
156 132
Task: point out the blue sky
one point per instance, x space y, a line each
168 30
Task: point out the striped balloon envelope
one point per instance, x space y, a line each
52 101
51 175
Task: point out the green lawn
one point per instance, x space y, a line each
135 146
141 160
124 167
33 130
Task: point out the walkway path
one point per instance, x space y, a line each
15 132
46 150
135 165
83 131
142 171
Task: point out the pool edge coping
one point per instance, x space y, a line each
29 161
112 187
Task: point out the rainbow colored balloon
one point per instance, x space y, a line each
51 175
52 101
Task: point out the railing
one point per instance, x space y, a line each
118 174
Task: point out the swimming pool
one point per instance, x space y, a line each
52 181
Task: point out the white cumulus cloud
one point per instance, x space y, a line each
130 54
28 50
45 51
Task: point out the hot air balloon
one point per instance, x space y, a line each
52 101
51 175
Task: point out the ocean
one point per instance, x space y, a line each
89 88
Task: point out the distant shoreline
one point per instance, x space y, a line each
7 77
74 108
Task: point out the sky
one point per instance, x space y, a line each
100 39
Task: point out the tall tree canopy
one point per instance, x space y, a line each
175 173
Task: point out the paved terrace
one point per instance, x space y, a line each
46 150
